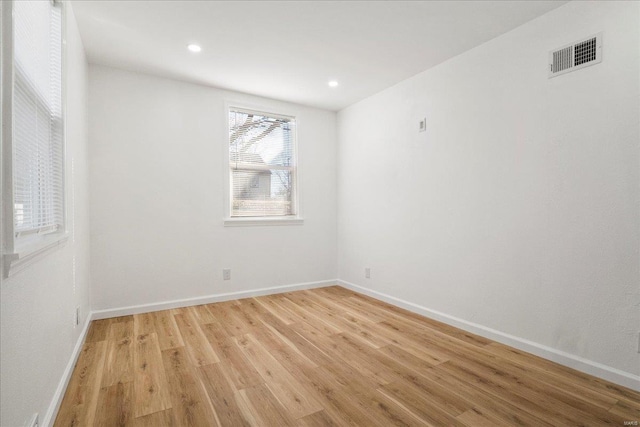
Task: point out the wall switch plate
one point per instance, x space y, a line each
226 274
367 273
423 125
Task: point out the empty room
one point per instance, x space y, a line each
320 213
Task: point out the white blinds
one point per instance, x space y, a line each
37 117
263 164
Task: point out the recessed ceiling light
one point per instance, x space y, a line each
194 48
333 83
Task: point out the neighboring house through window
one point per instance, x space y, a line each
262 165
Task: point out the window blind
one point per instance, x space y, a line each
37 117
262 162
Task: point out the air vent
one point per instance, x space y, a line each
577 55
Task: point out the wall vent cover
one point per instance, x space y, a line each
574 56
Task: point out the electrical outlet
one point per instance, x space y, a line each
226 274
77 319
423 125
33 422
638 342
367 273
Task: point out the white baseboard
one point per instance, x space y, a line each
166 305
52 412
572 361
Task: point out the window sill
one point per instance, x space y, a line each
252 222
27 254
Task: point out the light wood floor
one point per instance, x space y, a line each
320 358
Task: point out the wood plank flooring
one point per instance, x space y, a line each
324 357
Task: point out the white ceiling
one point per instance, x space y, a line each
289 50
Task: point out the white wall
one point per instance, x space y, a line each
157 188
38 304
518 208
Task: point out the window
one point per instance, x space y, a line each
262 165
34 141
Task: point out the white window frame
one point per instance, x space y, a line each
230 221
18 252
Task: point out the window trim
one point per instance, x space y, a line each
230 221
18 252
